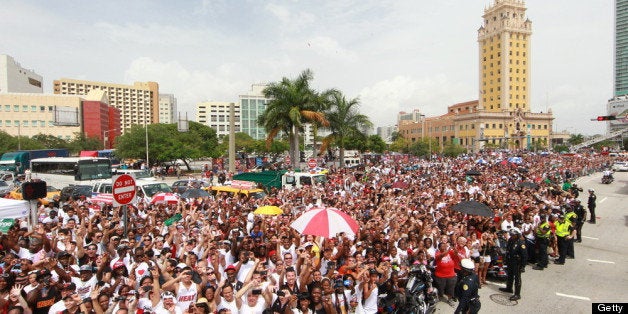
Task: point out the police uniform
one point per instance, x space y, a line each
563 230
591 205
516 259
570 217
543 232
579 210
467 289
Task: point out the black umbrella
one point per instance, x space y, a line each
473 172
528 184
194 193
473 208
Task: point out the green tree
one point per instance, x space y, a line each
166 143
453 150
344 121
395 135
561 148
243 143
399 145
8 143
292 104
575 139
50 141
376 144
81 142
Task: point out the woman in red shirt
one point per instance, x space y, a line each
445 276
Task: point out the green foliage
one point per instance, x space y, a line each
50 141
81 142
399 145
8 143
453 150
575 139
561 148
605 143
376 144
166 143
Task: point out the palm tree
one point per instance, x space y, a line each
344 121
292 104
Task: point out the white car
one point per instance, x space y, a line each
620 166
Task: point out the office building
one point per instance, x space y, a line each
16 79
216 115
621 48
64 116
138 103
167 108
252 104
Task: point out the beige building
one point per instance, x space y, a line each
27 114
138 103
501 117
167 108
215 114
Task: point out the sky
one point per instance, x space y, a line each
393 55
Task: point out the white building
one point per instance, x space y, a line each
215 114
167 108
16 79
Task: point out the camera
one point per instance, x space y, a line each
281 293
120 298
259 291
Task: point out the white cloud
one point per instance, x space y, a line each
290 22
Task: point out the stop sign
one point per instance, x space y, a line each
312 163
123 189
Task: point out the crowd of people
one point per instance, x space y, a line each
214 255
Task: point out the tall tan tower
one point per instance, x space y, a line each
504 43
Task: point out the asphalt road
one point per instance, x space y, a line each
597 274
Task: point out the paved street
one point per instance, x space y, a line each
598 274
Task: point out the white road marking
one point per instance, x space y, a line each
599 261
602 201
591 238
572 296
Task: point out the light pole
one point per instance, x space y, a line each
146 133
104 138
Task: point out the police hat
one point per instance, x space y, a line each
467 264
515 231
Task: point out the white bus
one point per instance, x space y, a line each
63 171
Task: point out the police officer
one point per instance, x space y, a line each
575 190
578 209
563 230
467 289
571 217
543 232
591 205
516 259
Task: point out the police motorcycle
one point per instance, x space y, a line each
420 296
607 178
497 268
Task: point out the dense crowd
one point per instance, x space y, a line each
213 255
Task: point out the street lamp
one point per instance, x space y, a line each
146 111
104 138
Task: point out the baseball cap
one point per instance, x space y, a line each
86 268
167 295
118 264
230 267
63 254
69 286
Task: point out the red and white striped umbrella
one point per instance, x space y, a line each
164 198
102 198
325 222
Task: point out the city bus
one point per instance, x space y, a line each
64 171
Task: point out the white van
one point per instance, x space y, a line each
301 179
137 174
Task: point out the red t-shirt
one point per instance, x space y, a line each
445 266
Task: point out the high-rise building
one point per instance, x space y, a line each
504 43
29 114
138 103
252 104
16 79
502 116
216 115
621 47
167 108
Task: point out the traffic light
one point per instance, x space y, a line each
606 118
34 190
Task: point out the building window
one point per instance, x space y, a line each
7 107
25 123
33 108
16 108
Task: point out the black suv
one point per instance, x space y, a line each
76 191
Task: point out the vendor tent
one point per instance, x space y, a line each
10 208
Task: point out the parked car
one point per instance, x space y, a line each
5 187
181 186
620 166
51 192
76 191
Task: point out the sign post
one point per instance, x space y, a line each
312 163
123 193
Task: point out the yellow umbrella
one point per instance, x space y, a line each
268 210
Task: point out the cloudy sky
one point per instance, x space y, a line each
395 55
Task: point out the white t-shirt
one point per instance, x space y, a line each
258 308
